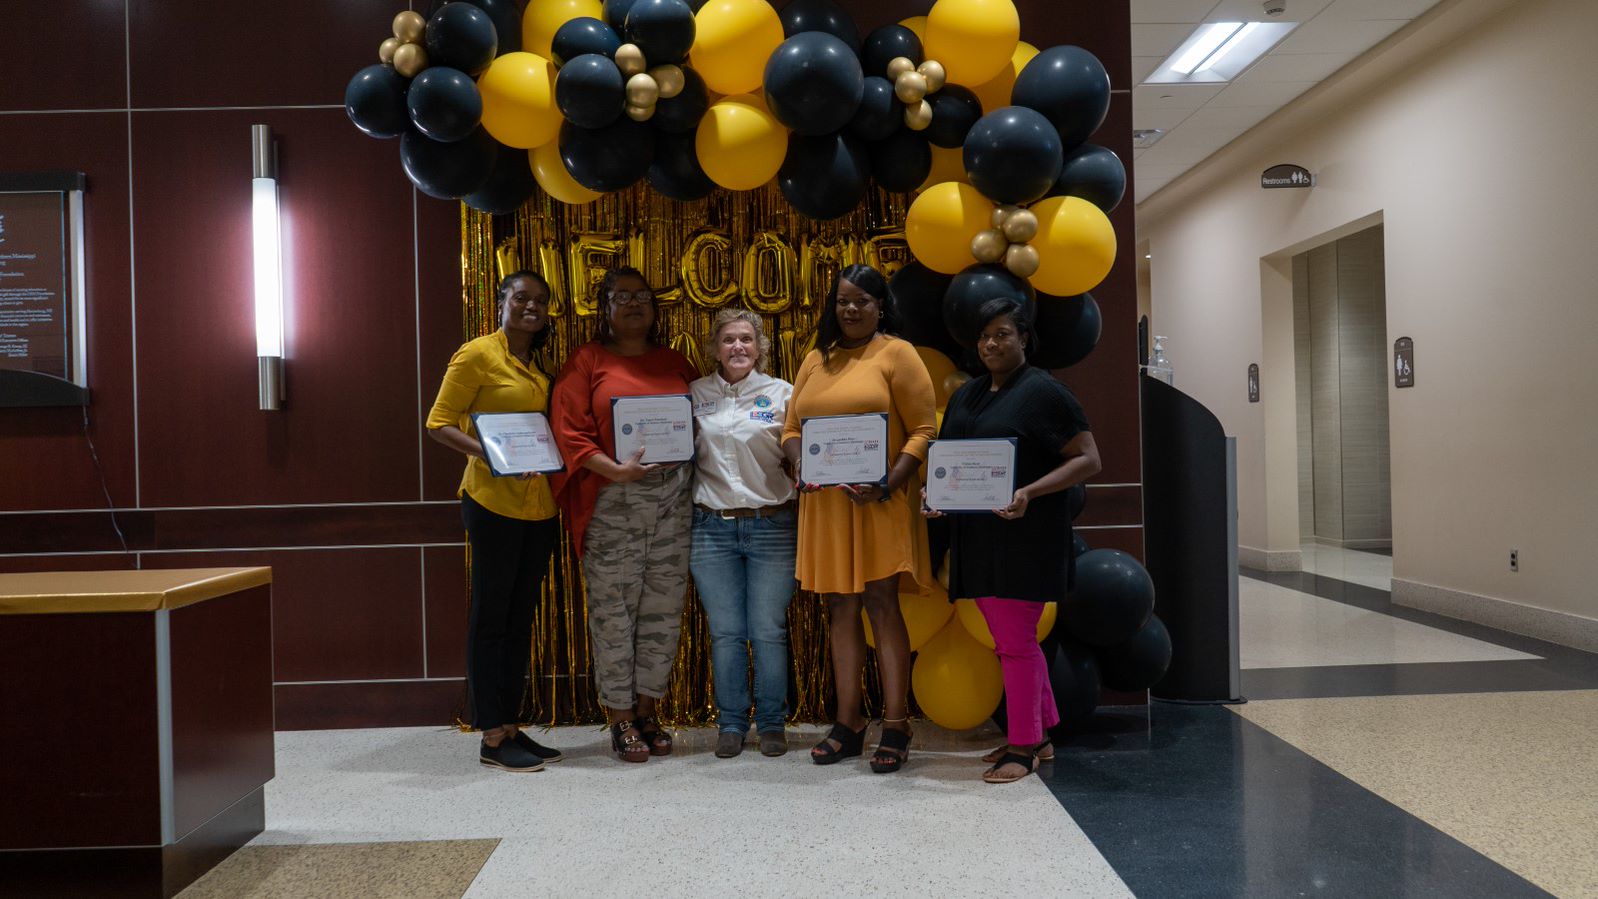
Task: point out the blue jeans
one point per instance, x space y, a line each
744 571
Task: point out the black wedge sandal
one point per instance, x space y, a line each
850 744
894 749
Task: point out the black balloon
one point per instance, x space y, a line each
973 288
825 176
880 113
813 83
676 172
461 36
1067 329
1069 86
590 91
1140 662
583 34
820 15
1093 173
448 171
918 292
1078 545
1074 680
1076 499
901 161
887 44
608 158
444 103
1012 155
1114 596
508 185
375 101
954 110
506 16
683 112
615 12
663 29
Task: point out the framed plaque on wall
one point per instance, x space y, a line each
43 343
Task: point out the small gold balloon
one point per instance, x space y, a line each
988 246
670 79
910 87
1022 260
1021 226
408 26
630 59
410 60
385 51
932 70
919 116
898 66
1002 214
953 380
640 113
642 90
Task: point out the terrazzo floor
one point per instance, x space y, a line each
1350 565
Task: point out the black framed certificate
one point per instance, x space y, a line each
970 475
661 425
517 443
845 449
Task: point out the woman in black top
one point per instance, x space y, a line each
1019 557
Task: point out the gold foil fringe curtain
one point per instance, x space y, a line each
746 249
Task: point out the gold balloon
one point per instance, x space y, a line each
642 90
1021 226
932 70
1022 260
952 381
989 246
385 51
957 681
410 60
630 59
768 272
924 618
910 87
408 26
518 93
708 268
919 116
976 625
670 79
821 257
640 113
1076 245
898 66
550 173
940 223
732 41
544 17
939 368
1002 215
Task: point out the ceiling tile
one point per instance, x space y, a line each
1235 118
1332 36
1163 119
1163 11
1160 171
1144 66
1158 40
1295 67
1259 93
1253 11
1172 96
1376 9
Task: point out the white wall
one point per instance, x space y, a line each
1472 135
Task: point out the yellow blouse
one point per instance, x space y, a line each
484 377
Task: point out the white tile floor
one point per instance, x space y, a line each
691 824
1367 569
1284 628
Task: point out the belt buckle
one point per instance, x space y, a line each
727 514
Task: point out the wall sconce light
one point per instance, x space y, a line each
268 266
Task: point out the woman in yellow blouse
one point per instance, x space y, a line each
510 521
861 544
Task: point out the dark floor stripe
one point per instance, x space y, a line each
1213 805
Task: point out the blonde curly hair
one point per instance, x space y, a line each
726 317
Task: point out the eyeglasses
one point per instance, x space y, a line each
631 297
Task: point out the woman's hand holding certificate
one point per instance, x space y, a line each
974 476
516 443
661 426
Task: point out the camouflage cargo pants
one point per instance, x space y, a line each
636 563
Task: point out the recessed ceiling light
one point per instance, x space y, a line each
1231 44
1217 52
1203 45
1143 138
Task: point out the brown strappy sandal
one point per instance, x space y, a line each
629 747
1045 752
658 740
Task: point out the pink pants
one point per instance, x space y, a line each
1028 699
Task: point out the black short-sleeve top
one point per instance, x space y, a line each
1029 558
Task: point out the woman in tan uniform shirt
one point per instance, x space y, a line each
861 545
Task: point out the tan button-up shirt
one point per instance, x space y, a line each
738 442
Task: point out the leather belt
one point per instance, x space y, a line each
759 512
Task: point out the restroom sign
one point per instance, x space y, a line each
1286 176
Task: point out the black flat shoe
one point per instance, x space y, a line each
509 756
850 744
545 753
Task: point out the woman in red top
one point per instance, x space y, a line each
631 522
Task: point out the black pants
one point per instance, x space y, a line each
510 557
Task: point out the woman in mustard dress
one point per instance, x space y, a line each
861 544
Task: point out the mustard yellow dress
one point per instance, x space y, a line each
844 544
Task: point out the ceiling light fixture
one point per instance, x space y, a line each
1228 47
1208 40
1217 52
